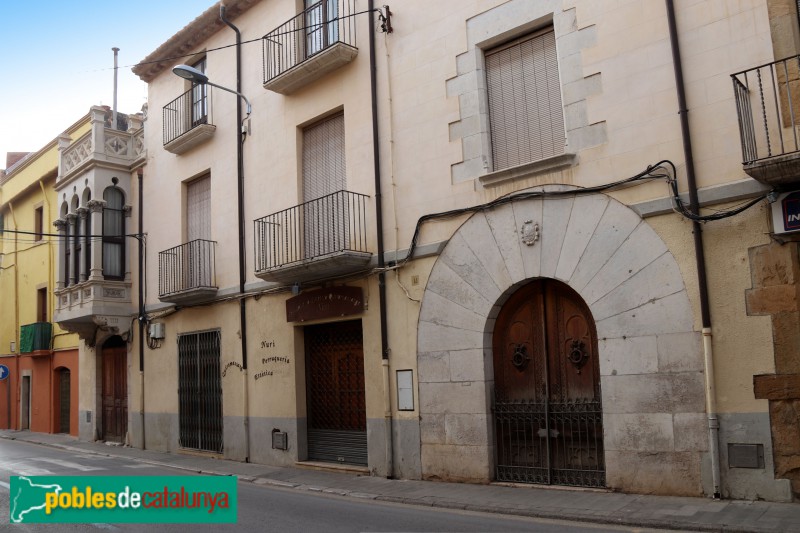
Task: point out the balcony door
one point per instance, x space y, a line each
198 230
324 213
322 25
199 98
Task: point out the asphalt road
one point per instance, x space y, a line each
261 508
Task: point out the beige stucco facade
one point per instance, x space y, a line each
624 252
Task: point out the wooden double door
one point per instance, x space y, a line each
547 405
114 390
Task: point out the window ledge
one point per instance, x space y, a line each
527 170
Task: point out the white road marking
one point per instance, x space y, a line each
21 468
139 466
68 464
6 485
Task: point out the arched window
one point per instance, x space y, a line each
113 234
76 259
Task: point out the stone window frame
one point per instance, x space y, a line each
503 24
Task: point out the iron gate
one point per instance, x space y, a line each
337 415
547 408
200 391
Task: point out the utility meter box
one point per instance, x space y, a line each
157 330
786 213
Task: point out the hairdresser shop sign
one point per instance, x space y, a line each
122 499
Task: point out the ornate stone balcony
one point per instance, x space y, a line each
101 146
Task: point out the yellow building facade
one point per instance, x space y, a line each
40 393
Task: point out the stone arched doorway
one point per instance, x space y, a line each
649 353
548 417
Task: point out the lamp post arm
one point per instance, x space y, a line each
243 97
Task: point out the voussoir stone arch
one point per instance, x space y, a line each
650 355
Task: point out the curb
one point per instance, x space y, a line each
430 502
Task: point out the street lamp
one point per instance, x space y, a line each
192 74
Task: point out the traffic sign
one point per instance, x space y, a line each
4 372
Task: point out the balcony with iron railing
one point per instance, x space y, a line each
187 273
319 239
768 107
187 120
35 338
309 45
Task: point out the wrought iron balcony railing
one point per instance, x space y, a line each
768 106
187 271
35 337
308 34
187 112
328 227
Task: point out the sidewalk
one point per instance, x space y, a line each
696 514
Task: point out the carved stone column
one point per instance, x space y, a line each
61 228
83 213
73 227
96 214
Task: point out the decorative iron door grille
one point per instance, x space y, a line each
547 408
337 415
200 391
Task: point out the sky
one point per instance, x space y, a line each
57 62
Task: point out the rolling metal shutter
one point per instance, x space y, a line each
525 112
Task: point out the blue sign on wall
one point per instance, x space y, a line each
791 212
4 372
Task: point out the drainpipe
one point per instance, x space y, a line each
240 183
16 310
46 224
142 321
387 395
708 359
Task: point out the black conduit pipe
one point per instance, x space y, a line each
379 228
142 320
240 186
702 284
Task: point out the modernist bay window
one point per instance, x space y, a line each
80 261
93 184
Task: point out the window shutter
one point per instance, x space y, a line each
198 209
525 112
323 158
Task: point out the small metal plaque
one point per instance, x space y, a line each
745 455
280 440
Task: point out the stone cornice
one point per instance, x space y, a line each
189 38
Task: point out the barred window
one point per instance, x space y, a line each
525 113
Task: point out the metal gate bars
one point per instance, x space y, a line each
200 391
569 453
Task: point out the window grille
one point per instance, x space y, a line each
200 391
